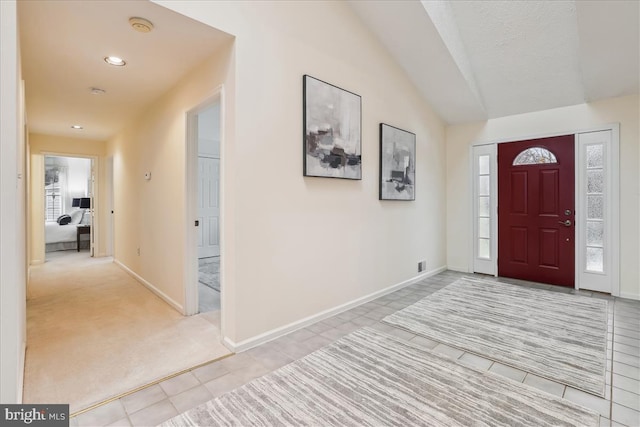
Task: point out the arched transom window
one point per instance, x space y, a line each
534 156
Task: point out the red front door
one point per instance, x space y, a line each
536 211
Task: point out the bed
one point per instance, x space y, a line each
64 237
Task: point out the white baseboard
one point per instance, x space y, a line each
629 296
303 323
151 287
21 366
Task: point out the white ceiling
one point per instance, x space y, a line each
471 60
63 44
474 60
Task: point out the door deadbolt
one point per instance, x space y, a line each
568 212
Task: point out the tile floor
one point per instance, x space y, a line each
208 299
159 402
208 284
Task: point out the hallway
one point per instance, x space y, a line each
94 332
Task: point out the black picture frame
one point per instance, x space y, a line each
397 164
332 130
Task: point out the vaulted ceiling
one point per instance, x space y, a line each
471 60
475 60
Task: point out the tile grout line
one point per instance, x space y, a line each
565 388
613 337
168 377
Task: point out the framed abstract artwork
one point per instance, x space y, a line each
397 163
332 122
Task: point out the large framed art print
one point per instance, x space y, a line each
397 163
332 122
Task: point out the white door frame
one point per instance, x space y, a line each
613 202
609 278
191 208
95 202
109 221
485 265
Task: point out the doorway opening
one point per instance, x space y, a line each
204 204
536 212
68 207
579 208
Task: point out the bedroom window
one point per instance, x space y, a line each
53 193
53 205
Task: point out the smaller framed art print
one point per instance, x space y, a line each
397 164
331 125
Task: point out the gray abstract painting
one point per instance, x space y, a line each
397 163
332 123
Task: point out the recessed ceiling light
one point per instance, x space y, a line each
141 25
78 127
114 60
97 91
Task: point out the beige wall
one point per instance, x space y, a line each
623 110
41 145
150 214
293 246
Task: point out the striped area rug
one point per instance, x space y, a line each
558 336
372 379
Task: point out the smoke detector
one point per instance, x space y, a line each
141 25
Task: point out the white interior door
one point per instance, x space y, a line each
208 206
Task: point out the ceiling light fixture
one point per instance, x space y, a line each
97 91
114 60
141 25
77 127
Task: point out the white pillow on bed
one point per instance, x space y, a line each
76 216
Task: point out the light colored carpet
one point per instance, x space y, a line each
93 332
369 378
559 336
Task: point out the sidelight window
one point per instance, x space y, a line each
484 212
484 208
595 207
597 211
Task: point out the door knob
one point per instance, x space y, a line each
566 223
